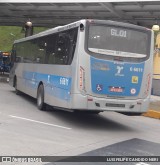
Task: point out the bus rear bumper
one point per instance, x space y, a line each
81 102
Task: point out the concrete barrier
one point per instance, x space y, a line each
154 108
152 113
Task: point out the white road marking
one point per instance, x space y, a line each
40 122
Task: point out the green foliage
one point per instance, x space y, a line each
7 36
39 29
10 33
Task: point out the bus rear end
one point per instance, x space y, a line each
115 67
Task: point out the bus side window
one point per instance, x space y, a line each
40 50
13 56
66 46
61 49
51 49
71 44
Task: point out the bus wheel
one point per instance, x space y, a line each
40 98
16 90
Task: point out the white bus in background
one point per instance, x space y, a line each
89 65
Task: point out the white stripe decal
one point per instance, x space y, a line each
40 122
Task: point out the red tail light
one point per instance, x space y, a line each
148 84
82 78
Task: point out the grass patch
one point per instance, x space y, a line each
10 33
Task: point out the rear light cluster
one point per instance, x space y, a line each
148 84
82 79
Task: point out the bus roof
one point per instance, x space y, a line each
51 31
76 24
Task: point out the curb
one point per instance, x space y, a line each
152 113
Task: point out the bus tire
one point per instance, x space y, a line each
15 86
40 98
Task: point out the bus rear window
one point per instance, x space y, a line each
118 41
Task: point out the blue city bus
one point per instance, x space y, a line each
5 61
89 65
1 62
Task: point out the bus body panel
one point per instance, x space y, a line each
116 78
122 103
94 91
56 80
93 103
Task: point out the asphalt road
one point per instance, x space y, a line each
26 131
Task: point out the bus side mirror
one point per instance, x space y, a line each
81 27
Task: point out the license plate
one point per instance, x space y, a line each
116 89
